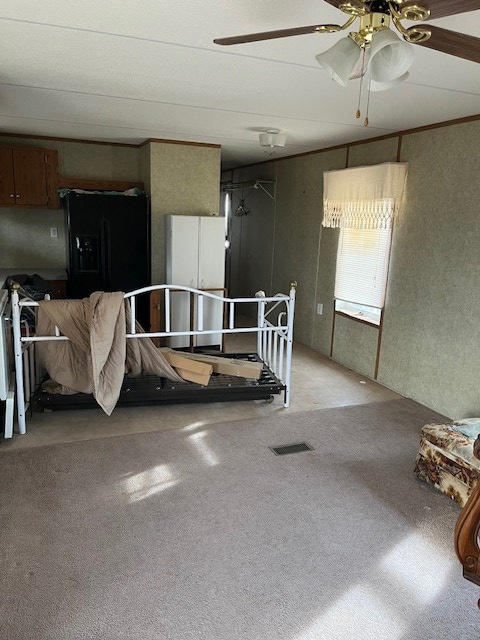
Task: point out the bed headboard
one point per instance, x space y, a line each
6 361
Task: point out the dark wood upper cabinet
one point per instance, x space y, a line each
7 184
28 177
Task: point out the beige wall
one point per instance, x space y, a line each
25 233
279 240
355 345
430 346
25 239
430 349
298 232
253 235
185 179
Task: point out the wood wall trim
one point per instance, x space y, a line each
98 185
181 142
379 344
382 315
344 145
130 145
346 315
333 331
58 139
405 132
399 148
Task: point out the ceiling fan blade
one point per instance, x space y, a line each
359 3
438 8
443 8
268 35
453 43
335 3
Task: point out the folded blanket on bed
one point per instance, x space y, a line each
96 356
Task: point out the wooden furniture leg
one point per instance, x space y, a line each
467 532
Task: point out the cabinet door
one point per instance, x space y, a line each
29 168
58 289
7 186
182 250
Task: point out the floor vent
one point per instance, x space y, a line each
296 447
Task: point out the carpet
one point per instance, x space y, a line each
203 533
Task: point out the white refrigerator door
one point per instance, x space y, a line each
182 269
211 275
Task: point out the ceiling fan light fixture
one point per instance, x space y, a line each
340 60
390 57
272 138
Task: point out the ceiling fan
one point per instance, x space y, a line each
376 15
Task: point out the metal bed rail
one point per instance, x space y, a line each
274 336
7 387
27 370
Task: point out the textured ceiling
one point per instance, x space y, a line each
125 71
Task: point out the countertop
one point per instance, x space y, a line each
46 274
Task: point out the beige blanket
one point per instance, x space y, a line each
97 354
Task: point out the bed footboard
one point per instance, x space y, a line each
27 373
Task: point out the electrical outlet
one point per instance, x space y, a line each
53 232
319 309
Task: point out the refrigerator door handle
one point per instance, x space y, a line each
107 258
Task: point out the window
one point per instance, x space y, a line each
363 203
361 275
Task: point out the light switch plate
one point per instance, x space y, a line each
53 232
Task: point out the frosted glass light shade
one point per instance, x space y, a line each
272 138
383 86
340 60
390 57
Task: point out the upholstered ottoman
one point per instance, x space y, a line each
445 459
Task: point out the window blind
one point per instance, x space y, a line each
362 266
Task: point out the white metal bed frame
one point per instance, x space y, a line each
7 387
274 334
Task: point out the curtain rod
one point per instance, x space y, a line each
250 184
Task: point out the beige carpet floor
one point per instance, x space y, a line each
203 533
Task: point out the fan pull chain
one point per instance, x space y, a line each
358 114
365 122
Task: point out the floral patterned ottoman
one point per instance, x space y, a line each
446 459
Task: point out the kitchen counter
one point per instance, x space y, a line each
47 274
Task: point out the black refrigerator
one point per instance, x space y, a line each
109 246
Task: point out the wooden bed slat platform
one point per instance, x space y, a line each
147 389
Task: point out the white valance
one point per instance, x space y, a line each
363 197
